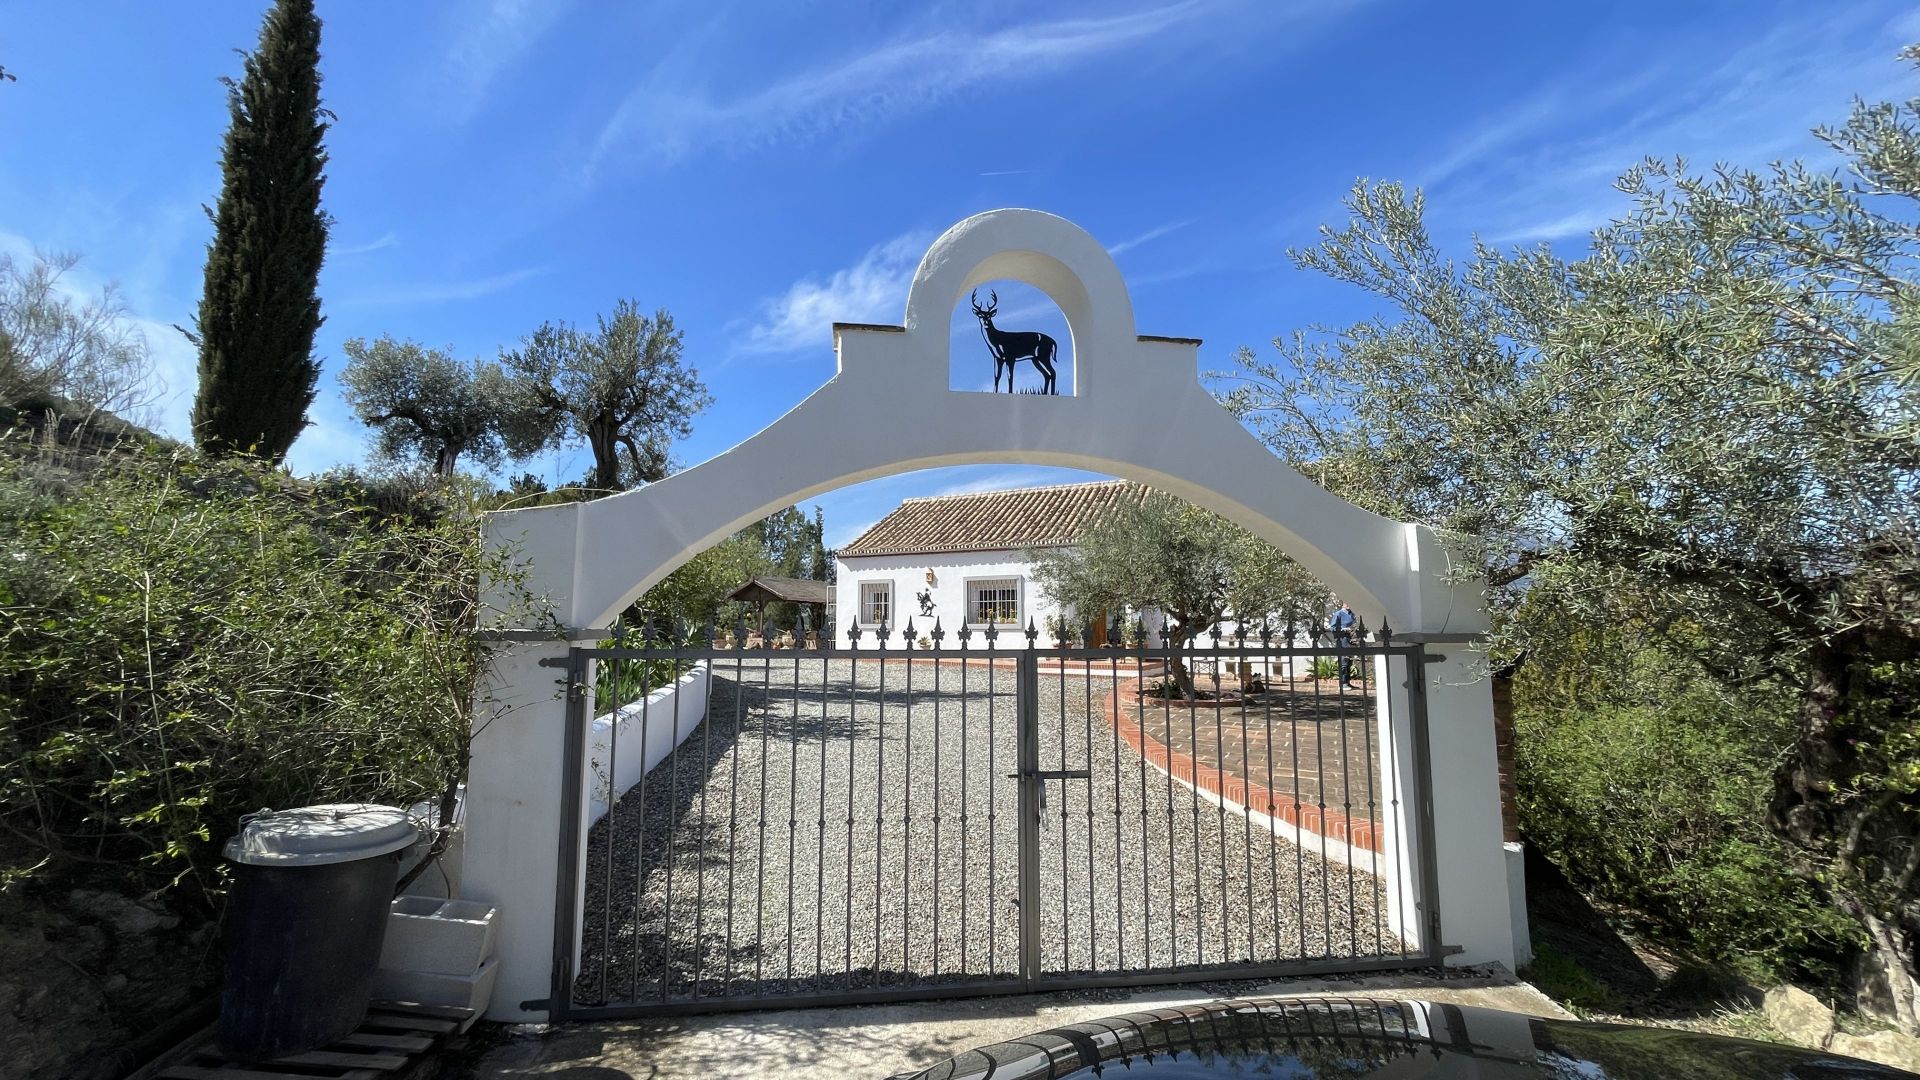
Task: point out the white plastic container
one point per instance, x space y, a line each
432 936
470 991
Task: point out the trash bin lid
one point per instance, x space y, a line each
317 835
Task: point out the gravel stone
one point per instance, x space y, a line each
836 826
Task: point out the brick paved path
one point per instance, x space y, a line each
1303 752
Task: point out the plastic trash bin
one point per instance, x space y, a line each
305 922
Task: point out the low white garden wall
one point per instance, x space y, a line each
631 740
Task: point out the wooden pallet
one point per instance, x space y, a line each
395 1037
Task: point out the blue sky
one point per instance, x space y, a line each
762 170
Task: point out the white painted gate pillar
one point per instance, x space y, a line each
1136 410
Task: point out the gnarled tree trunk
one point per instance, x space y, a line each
1861 844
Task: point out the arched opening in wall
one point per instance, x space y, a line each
775 815
1008 336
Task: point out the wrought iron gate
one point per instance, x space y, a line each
906 818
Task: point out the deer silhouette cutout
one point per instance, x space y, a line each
1009 347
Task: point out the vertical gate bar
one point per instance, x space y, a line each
1166 739
640 841
880 800
733 789
1146 857
820 831
566 885
993 824
1320 792
906 809
1066 877
853 740
760 821
966 835
793 810
1382 695
1093 910
605 958
1026 709
1299 803
1192 707
1273 816
673 802
1246 781
1220 807
938 793
1423 769
706 789
1119 781
1346 812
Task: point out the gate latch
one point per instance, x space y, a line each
1044 775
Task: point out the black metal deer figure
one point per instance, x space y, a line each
1009 347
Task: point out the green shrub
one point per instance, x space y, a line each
621 681
184 642
1648 782
1561 978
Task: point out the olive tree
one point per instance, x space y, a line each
1711 416
622 388
425 405
1194 566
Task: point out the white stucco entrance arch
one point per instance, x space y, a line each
1136 410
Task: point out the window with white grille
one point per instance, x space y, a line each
995 600
876 603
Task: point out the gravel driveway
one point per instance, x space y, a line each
836 826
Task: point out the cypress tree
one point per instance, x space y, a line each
260 307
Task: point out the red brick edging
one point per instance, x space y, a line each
1281 806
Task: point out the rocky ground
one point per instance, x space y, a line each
84 972
831 828
1592 958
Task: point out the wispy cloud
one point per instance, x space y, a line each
333 437
839 536
439 292
871 290
1007 172
672 115
1147 237
386 241
1015 478
488 43
1543 169
176 377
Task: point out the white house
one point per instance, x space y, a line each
962 559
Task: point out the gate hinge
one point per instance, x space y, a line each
1425 658
556 661
537 1005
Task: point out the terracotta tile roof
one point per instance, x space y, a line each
994 520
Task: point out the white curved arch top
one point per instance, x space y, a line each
1137 410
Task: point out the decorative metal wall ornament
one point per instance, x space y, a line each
925 596
1009 347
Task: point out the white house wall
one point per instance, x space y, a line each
952 570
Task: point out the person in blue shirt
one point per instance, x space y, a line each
1341 625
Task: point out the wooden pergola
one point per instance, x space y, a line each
810 594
